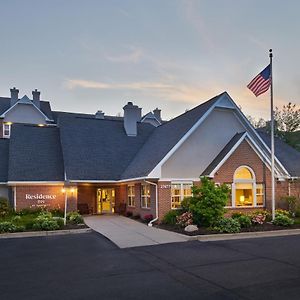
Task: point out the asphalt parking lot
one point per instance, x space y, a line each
88 266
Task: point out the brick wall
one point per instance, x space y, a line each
245 155
87 194
39 197
164 196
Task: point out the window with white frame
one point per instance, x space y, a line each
6 130
145 196
179 191
131 195
245 191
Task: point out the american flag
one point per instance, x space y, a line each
261 82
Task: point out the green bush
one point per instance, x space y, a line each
29 211
283 220
208 202
16 218
4 207
291 202
244 220
170 216
45 221
74 217
228 225
10 227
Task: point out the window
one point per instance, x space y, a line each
6 130
131 195
145 196
245 191
179 191
260 194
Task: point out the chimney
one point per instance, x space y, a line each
132 115
99 114
14 96
36 98
157 115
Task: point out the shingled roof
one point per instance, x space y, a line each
164 138
98 149
44 107
288 156
4 148
35 154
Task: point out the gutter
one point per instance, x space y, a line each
150 224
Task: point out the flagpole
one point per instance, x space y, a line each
272 137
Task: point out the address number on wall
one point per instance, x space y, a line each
165 186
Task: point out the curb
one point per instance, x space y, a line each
243 235
43 233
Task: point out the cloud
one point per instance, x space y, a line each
191 9
134 56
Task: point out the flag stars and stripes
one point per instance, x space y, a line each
261 83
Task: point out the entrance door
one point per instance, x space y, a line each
105 200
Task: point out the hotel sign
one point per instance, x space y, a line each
40 197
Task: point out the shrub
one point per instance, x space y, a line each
4 207
129 214
45 221
29 211
170 216
148 218
16 218
282 212
185 204
283 220
74 217
57 212
185 219
244 220
291 202
10 227
228 225
208 202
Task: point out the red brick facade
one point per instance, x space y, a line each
49 197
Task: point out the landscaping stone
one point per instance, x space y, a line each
191 228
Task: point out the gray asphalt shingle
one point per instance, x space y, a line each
35 154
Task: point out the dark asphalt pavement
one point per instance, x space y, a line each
88 266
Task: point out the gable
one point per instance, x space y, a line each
203 145
25 113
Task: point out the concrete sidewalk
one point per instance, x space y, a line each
126 233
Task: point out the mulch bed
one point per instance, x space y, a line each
205 231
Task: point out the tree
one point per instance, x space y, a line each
288 118
260 123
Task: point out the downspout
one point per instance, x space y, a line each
156 203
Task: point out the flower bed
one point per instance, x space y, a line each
36 220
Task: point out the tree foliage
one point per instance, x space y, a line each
287 118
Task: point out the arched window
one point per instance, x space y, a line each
245 190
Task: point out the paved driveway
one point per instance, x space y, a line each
89 266
125 232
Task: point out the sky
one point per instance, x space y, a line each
94 55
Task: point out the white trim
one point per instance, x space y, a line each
156 172
256 134
15 198
219 165
150 118
179 179
93 181
255 148
35 182
18 102
7 136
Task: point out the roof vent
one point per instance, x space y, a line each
132 115
14 96
99 114
36 98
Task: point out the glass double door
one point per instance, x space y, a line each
105 200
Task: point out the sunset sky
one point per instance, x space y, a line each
94 55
